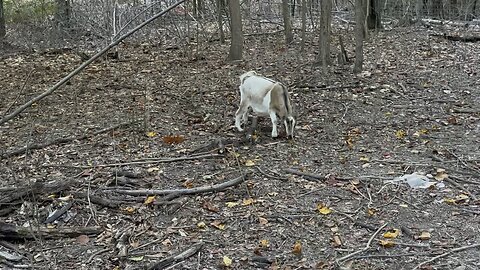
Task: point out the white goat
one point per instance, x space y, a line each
267 98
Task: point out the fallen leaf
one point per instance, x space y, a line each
201 225
297 248
83 239
153 169
441 174
247 201
264 243
263 221
365 159
324 210
188 183
231 204
149 200
337 242
386 243
249 163
227 261
151 134
129 210
218 224
424 236
174 139
136 258
371 211
392 233
400 134
210 206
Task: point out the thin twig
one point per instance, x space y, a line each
446 254
367 247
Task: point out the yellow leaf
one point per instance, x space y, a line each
387 243
129 210
247 201
371 211
400 134
153 169
149 200
249 163
392 233
424 236
297 248
264 243
366 159
324 210
227 261
449 200
231 204
217 224
201 225
151 134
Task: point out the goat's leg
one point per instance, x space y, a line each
240 115
273 116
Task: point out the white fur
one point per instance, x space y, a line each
267 98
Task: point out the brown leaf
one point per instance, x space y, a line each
83 239
173 139
210 207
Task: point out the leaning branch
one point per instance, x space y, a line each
84 65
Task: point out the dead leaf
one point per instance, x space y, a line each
83 239
400 134
188 183
324 210
441 174
297 248
151 134
129 210
249 163
218 224
227 261
264 243
149 200
371 211
424 236
201 225
231 204
174 139
392 233
336 241
263 221
387 243
210 206
247 201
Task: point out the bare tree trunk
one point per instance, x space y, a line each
236 47
287 24
220 9
63 13
304 24
360 8
437 9
374 19
325 28
3 30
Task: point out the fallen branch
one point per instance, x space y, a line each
12 232
32 146
163 264
306 175
84 65
173 193
446 254
150 161
367 247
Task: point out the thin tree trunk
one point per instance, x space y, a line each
220 9
325 28
360 9
3 31
304 24
287 24
236 47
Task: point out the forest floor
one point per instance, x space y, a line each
325 200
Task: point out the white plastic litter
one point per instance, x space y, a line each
415 180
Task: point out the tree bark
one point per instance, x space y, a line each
220 9
63 13
3 30
287 23
236 46
360 9
374 20
304 24
325 28
437 9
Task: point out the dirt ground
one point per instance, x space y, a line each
325 200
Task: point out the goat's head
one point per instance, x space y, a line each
289 123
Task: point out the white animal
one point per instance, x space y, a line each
267 98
